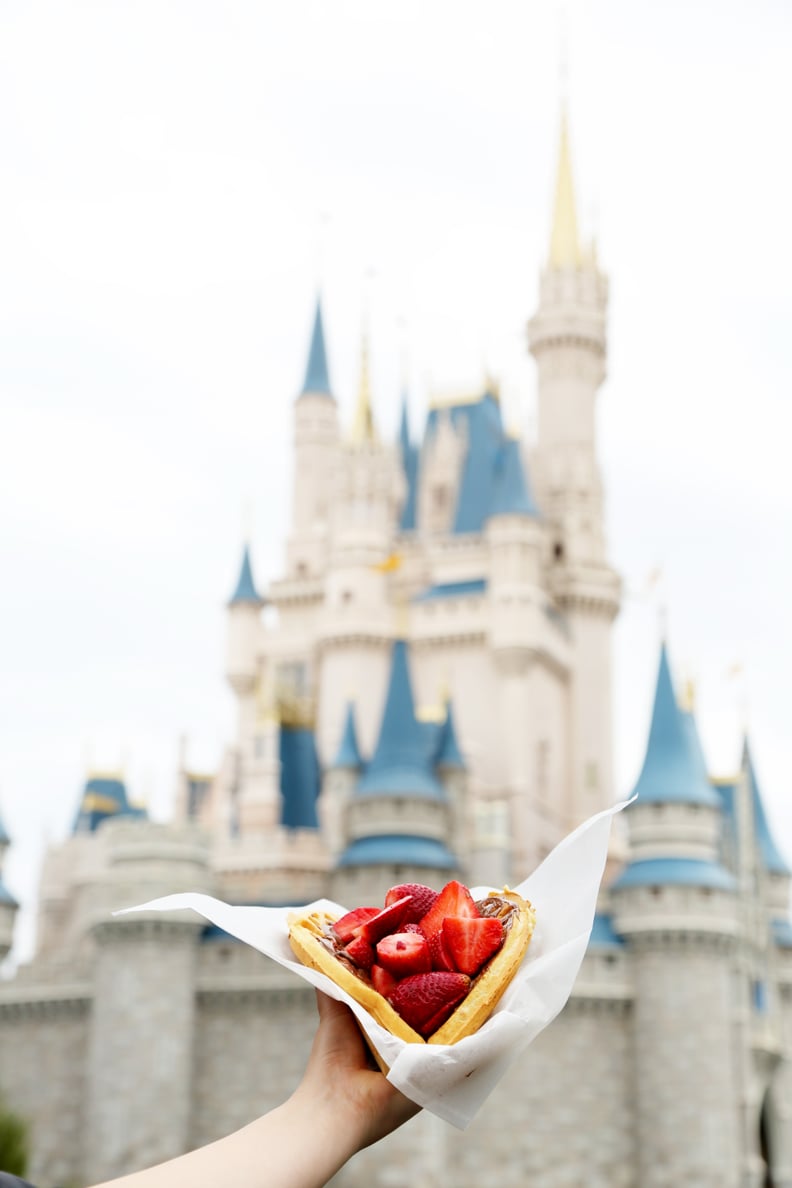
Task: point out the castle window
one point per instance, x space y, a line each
346 596
558 551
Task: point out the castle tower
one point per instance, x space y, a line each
675 905
255 794
398 817
567 338
356 622
139 1083
8 905
316 442
339 784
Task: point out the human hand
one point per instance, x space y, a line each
341 1089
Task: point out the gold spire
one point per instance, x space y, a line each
363 425
565 249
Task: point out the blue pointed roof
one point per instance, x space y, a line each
672 771
680 872
603 934
511 495
694 742
300 777
772 858
400 763
448 753
246 591
348 754
399 849
104 797
409 456
317 380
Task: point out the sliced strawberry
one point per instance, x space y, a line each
420 998
411 927
350 924
469 943
382 981
388 920
439 953
404 953
439 1019
453 900
423 898
361 952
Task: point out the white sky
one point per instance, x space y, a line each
166 170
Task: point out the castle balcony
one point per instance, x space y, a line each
293 591
686 830
662 911
380 815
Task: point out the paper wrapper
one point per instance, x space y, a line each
453 1081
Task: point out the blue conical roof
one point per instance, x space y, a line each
448 753
400 763
694 741
246 591
672 770
103 796
300 778
317 379
409 456
772 858
511 494
348 754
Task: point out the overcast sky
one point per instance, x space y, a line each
176 178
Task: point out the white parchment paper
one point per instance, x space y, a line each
453 1081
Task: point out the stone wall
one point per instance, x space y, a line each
43 1046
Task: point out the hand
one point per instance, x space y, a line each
341 1087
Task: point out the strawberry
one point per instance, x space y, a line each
453 900
388 920
420 999
469 943
423 898
350 924
361 952
439 953
404 953
411 927
381 980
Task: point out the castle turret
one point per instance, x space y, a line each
8 905
568 341
316 442
140 1062
339 784
399 815
675 905
356 628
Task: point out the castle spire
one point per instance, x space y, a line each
672 770
317 380
245 588
363 426
565 251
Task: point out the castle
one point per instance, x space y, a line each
425 693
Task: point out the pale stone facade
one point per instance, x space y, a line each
435 662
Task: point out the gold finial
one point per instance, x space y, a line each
564 240
363 425
687 701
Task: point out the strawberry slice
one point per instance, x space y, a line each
361 952
382 981
453 900
423 898
388 920
404 953
421 998
350 924
411 927
469 943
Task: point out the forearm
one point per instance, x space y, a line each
286 1148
